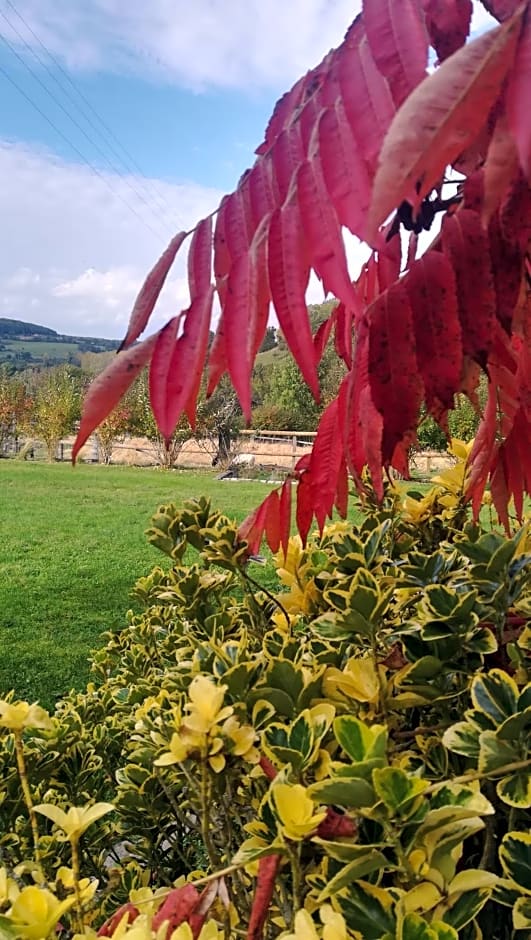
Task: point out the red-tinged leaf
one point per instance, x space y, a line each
283 113
207 897
200 259
389 263
393 371
400 459
217 357
501 167
252 528
326 460
303 463
150 290
500 492
241 291
482 452
507 270
336 826
107 389
221 253
322 233
177 365
368 282
366 97
515 215
501 9
286 157
465 242
107 929
263 895
448 24
341 497
285 514
517 96
304 511
268 768
399 43
343 334
344 169
175 909
260 300
272 522
363 422
323 335
431 288
237 235
288 279
441 117
259 185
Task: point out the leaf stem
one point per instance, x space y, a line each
24 783
481 775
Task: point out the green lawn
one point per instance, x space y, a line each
71 547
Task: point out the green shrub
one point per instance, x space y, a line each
347 758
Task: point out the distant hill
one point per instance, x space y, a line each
23 345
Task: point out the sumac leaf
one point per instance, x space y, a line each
399 43
150 290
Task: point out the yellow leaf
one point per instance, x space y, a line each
295 810
15 716
78 818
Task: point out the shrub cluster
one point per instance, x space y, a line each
347 758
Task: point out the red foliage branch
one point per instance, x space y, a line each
364 134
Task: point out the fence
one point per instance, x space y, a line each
254 452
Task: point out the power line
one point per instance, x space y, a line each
76 150
70 117
129 162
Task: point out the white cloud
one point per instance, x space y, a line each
74 254
228 43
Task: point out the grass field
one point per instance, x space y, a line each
72 545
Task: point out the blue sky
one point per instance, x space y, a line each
185 88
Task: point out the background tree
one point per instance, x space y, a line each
14 404
55 406
113 429
141 422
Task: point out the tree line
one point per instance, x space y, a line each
45 404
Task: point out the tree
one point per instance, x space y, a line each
114 428
370 141
141 421
55 407
270 339
13 407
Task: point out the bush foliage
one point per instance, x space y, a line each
349 757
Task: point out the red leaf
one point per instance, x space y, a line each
323 233
217 357
389 263
272 522
501 9
507 270
399 44
341 497
108 388
516 214
393 370
325 464
200 259
285 514
466 245
252 528
364 423
501 167
263 895
107 929
336 826
366 97
431 288
283 113
441 117
517 96
288 279
344 170
322 336
448 23
304 512
343 334
150 290
286 157
176 909
221 253
176 366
